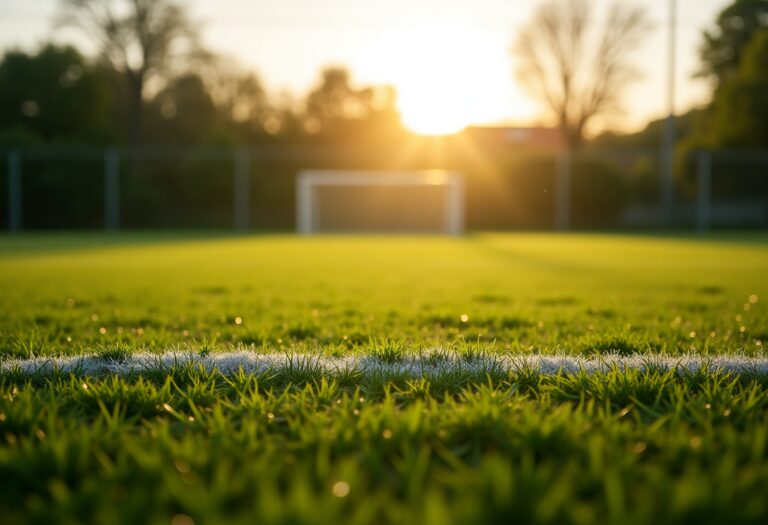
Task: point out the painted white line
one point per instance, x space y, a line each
432 363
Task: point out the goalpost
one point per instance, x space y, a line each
345 201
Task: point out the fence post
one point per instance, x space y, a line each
563 192
15 210
704 197
111 190
242 190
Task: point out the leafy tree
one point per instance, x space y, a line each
54 94
649 138
140 39
336 110
725 44
182 113
242 102
739 111
576 69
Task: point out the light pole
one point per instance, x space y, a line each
668 148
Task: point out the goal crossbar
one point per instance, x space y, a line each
309 182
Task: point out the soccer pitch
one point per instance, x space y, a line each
535 378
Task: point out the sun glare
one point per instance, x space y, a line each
429 111
445 80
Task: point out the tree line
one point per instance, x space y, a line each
734 62
153 82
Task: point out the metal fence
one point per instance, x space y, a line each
253 188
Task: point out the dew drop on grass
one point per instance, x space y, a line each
340 489
182 519
182 466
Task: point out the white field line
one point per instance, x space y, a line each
431 364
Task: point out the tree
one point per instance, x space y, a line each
183 112
736 118
332 102
337 110
739 110
140 39
575 68
724 45
686 124
53 94
242 101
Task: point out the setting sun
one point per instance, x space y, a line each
445 79
431 113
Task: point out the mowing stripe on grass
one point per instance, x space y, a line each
429 364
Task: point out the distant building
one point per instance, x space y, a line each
506 138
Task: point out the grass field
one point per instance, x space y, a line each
191 444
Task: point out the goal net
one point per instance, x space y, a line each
430 201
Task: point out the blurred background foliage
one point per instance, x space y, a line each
182 95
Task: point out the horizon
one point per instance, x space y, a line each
419 50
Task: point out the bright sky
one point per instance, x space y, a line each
435 52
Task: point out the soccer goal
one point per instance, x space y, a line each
429 201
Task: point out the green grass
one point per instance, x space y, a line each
618 447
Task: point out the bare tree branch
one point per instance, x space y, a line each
579 70
141 39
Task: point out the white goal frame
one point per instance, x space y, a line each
307 181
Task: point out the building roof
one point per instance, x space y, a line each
500 137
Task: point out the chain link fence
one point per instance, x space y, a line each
68 187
